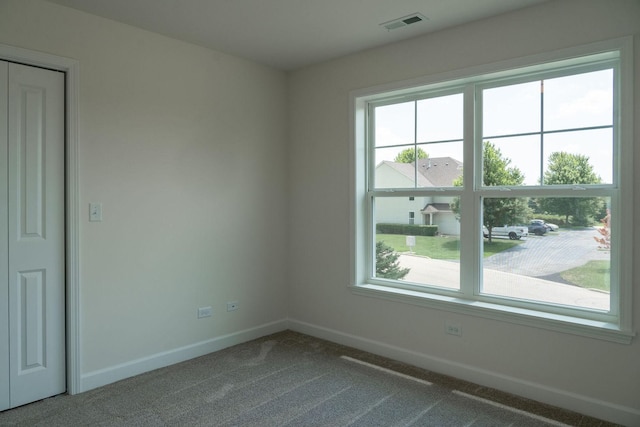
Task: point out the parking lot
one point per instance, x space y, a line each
548 255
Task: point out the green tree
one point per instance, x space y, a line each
455 204
387 264
572 169
497 172
408 155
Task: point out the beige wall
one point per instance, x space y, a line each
185 149
561 368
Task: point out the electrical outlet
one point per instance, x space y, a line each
453 328
205 312
233 305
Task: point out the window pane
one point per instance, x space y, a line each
578 101
405 254
443 166
510 110
565 261
588 156
395 124
440 119
507 154
390 174
441 170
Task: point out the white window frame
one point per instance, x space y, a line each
616 325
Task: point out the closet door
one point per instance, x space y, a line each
4 241
35 206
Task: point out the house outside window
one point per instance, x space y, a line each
528 178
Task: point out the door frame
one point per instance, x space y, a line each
72 208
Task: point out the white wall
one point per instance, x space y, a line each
588 375
185 149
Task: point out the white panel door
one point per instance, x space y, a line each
35 200
4 242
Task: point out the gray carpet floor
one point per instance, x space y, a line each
291 379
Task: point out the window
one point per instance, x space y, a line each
523 177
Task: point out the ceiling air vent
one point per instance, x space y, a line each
404 21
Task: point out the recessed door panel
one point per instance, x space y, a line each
31 321
31 140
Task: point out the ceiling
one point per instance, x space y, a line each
290 34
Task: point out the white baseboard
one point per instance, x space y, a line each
582 404
119 372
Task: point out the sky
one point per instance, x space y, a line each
572 102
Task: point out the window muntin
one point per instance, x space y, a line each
472 196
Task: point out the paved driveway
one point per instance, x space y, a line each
526 271
541 256
446 274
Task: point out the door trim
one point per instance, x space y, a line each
72 208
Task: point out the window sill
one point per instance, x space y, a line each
554 322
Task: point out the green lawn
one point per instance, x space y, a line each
439 247
592 275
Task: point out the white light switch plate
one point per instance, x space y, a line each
95 212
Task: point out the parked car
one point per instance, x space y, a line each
550 226
537 228
513 232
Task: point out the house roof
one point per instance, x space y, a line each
436 207
407 170
433 172
441 171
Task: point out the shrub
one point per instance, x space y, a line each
387 264
407 229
